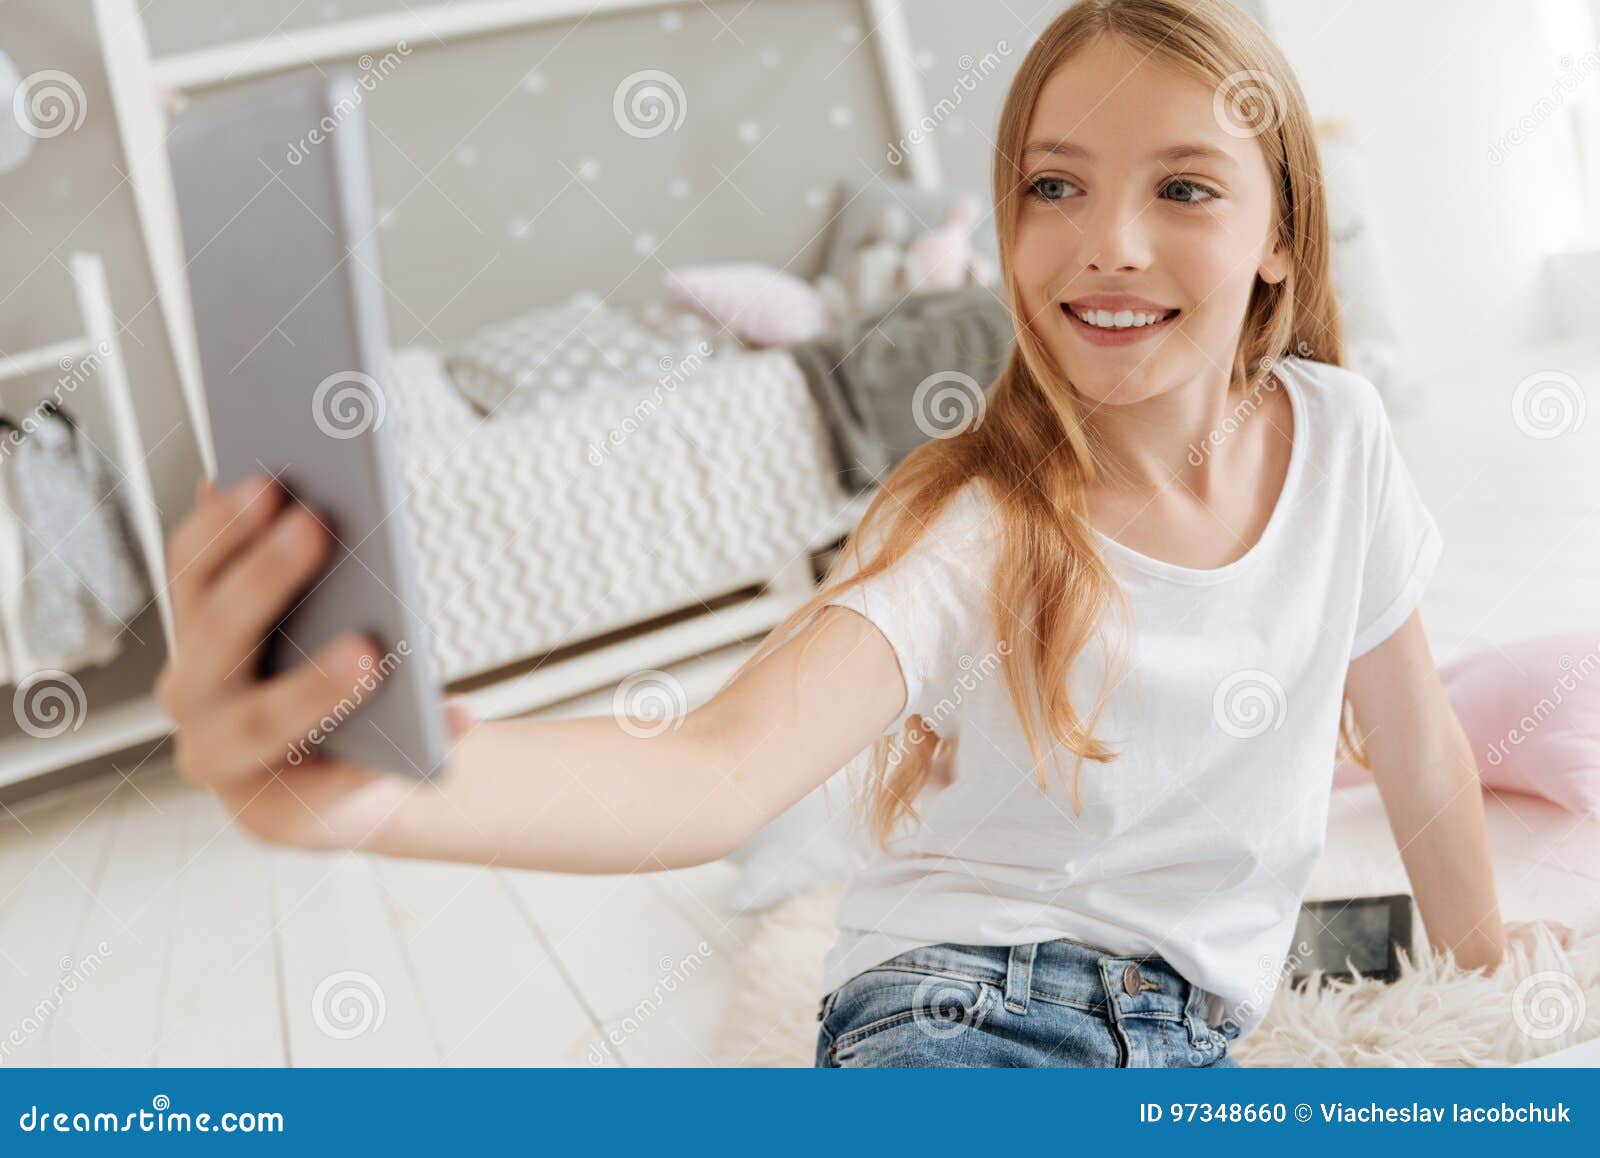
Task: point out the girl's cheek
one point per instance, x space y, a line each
1041 257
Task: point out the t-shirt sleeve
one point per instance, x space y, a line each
931 603
1403 541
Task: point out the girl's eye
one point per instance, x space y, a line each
1193 188
1050 189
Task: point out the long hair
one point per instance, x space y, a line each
1052 589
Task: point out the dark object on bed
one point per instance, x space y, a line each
1358 936
865 377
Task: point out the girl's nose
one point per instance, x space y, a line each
1116 235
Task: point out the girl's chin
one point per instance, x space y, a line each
1099 388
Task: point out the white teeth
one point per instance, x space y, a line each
1120 320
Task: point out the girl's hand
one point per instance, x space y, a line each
1525 935
235 564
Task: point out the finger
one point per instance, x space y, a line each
254 591
284 720
458 718
213 531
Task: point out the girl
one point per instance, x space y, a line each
1176 544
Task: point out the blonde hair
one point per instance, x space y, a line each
1052 589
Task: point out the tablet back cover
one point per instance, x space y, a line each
275 202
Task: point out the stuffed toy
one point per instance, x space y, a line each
890 263
944 258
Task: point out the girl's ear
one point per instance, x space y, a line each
1275 266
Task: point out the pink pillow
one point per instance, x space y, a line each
1532 713
762 306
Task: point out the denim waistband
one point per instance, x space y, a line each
1067 972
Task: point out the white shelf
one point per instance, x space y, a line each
43 358
102 732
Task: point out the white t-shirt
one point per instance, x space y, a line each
1198 841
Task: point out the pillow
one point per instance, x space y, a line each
1531 711
758 304
544 359
684 326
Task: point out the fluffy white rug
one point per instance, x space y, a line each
1435 1014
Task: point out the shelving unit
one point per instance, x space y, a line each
100 729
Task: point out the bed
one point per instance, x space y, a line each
535 531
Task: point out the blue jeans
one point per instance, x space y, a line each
1050 1003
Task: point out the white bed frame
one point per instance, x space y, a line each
145 90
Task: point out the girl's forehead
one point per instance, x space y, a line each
1115 104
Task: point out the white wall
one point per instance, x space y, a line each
1430 88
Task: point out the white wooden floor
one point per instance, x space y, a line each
187 943
200 946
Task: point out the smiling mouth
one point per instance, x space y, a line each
1119 321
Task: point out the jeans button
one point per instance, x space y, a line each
1131 980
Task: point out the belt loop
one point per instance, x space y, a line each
1019 977
1194 1016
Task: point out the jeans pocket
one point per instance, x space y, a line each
936 1005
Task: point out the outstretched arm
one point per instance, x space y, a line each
571 795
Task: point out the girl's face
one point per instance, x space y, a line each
1136 195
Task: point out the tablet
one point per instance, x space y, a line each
275 203
1344 938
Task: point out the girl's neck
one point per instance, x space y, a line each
1184 436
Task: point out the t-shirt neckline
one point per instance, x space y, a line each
1206 575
